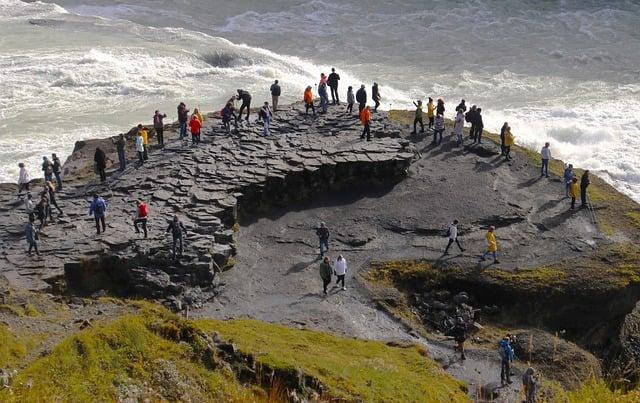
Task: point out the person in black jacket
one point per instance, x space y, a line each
375 95
101 163
461 106
332 82
459 334
323 235
503 132
440 107
57 170
121 143
183 119
361 98
470 117
246 102
275 95
177 229
479 126
584 183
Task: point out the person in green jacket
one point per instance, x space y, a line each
325 273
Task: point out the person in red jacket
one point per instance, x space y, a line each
141 217
365 120
194 126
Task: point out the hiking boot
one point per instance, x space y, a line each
496 262
344 288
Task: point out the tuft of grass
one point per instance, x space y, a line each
356 370
594 391
539 276
12 348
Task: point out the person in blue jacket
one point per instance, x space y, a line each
507 356
568 177
98 210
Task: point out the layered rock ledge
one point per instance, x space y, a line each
210 187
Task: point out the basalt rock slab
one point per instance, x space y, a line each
210 186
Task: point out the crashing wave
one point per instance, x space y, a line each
225 60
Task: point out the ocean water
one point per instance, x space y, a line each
567 72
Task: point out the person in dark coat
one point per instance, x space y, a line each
323 236
183 119
332 82
503 132
98 209
121 143
461 106
440 107
459 334
375 95
31 234
361 98
470 117
101 163
584 183
57 170
245 97
177 229
325 273
479 126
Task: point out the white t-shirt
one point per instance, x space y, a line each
453 231
340 267
546 153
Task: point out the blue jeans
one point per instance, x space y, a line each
495 255
58 179
324 246
544 170
183 130
123 160
265 123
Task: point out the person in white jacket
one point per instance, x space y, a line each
545 153
140 148
458 126
340 269
452 234
23 178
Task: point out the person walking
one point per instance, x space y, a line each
158 126
567 178
145 141
545 153
418 118
47 169
351 99
506 358
23 178
509 140
100 160
29 206
530 382
324 96
43 210
50 192
325 273
177 229
183 119
57 170
142 211
308 101
375 96
584 184
194 126
458 126
275 95
323 236
31 234
438 129
120 148
461 107
470 117
332 81
452 233
492 245
503 132
140 148
98 209
340 269
266 115
573 192
431 112
365 120
479 127
440 107
361 98
245 97
459 334
228 112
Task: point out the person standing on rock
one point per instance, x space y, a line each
461 107
325 274
492 245
121 143
194 126
332 81
308 101
458 127
227 114
567 178
440 107
29 206
365 120
57 170
323 236
100 159
245 97
23 178
140 148
477 135
142 212
145 141
351 99
375 96
31 234
340 269
183 119
43 210
47 168
506 358
530 385
50 192
509 140
545 153
197 114
275 95
266 115
584 184
452 233
470 117
361 98
573 192
158 125
459 334
438 129
431 112
324 96
98 209
177 229
503 132
418 118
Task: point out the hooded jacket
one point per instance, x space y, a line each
100 159
361 96
340 267
509 139
98 207
333 79
195 125
365 116
183 113
308 96
492 244
325 271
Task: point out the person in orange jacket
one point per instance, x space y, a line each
365 120
194 126
308 101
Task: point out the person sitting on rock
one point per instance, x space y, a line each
246 103
418 118
265 114
141 217
340 270
492 245
431 112
228 112
308 101
459 334
438 129
140 148
194 126
506 358
509 140
452 232
530 385
351 99
31 234
98 209
23 178
323 236
365 120
573 192
177 229
325 273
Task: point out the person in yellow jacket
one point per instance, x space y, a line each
574 191
509 139
197 114
308 101
144 133
492 245
431 114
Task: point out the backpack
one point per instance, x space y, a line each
99 210
467 117
448 233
